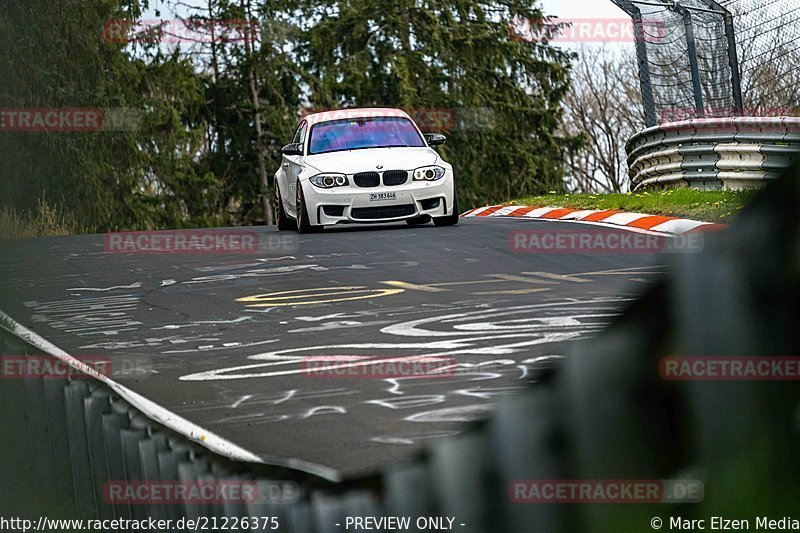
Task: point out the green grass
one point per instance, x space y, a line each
708 206
45 221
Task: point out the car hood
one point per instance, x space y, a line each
352 161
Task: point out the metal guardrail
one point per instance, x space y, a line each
719 153
63 441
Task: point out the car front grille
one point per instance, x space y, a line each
389 211
395 177
367 179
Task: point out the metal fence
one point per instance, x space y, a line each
703 58
768 41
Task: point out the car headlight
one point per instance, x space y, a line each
432 173
328 181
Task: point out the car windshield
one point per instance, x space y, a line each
357 133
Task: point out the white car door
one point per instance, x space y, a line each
292 166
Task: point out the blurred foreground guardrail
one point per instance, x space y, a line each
714 153
73 449
606 413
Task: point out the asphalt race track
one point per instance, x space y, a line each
226 340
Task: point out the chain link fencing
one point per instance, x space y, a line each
703 58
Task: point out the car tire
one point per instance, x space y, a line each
450 220
283 222
418 221
303 223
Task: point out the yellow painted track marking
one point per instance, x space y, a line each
413 286
315 296
557 277
509 277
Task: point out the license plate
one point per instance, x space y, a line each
383 196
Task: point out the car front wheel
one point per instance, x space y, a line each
450 220
284 222
303 223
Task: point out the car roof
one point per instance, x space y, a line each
361 112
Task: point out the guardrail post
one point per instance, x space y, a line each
457 463
149 451
74 395
18 488
113 425
327 509
39 443
533 450
60 445
189 472
131 439
95 406
408 490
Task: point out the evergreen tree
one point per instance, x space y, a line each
213 114
455 55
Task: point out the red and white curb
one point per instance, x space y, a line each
633 221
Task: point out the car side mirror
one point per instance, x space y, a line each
435 139
292 149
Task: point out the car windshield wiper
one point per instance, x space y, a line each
395 146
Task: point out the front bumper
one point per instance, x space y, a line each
353 204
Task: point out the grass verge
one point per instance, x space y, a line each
707 206
45 221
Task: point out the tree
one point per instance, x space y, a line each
213 112
452 55
141 175
252 96
603 108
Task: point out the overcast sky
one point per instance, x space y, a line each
559 8
566 9
582 8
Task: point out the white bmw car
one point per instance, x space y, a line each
363 166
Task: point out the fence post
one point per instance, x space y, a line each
733 55
641 56
691 49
